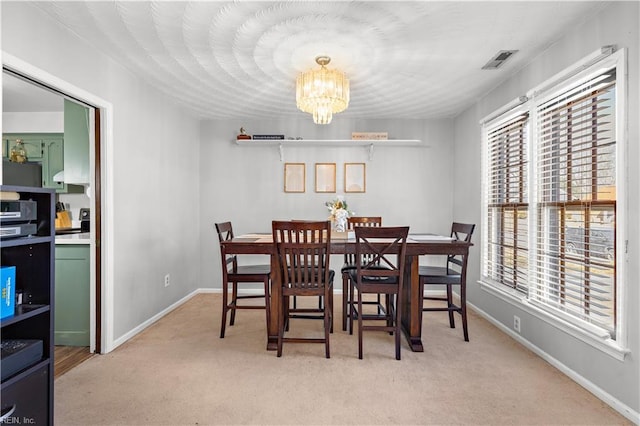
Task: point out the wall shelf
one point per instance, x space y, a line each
368 144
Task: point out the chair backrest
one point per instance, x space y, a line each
302 254
363 221
380 253
225 233
352 222
460 232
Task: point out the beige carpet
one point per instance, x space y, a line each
178 372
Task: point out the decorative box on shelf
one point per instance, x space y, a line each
370 136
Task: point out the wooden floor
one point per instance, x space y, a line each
67 357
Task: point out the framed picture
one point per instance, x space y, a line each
355 177
295 175
325 177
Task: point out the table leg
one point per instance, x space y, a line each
412 305
272 332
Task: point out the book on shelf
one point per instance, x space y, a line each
268 137
9 196
8 286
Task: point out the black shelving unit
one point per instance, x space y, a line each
27 394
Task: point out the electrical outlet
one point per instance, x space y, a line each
167 280
516 323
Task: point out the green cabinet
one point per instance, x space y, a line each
52 163
48 149
72 295
76 143
32 144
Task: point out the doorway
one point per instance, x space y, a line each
25 95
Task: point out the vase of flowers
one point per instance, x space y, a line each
339 212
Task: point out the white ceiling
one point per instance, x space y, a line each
405 59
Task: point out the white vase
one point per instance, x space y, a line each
340 223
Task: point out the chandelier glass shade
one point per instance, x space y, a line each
322 92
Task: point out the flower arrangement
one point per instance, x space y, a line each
339 212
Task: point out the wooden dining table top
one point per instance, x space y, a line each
417 244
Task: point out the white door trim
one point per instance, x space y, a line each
106 180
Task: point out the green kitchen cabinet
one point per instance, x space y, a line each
49 150
72 295
52 163
76 143
32 144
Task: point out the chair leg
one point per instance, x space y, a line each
452 323
359 325
329 305
328 325
281 324
463 308
286 308
225 308
398 313
234 301
389 306
345 298
267 303
351 306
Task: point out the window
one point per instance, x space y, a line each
506 250
576 202
552 219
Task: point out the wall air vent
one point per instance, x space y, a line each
498 59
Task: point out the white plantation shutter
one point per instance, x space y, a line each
575 269
505 227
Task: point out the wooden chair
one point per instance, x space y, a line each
350 264
302 250
454 273
233 273
376 246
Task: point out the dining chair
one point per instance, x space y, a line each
350 264
376 247
234 273
453 274
302 254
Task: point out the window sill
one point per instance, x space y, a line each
604 344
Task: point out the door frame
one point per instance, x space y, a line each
101 156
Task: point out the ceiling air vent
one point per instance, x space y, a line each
498 59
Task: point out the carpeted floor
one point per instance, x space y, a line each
179 372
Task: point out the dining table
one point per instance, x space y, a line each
422 244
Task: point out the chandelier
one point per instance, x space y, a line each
322 92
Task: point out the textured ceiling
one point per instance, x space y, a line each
240 59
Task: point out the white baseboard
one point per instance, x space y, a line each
120 340
607 398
